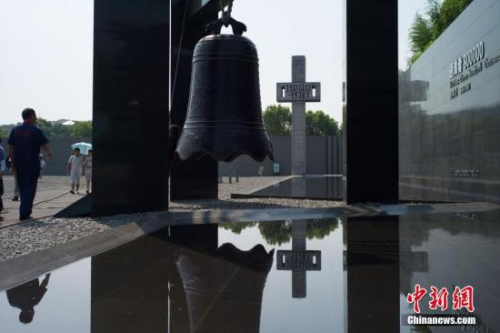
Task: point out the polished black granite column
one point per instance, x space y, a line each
198 179
130 106
371 118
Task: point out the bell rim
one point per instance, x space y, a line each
187 148
216 37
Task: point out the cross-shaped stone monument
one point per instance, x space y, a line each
299 260
298 92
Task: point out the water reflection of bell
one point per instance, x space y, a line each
224 289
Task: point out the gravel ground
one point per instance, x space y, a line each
246 184
28 237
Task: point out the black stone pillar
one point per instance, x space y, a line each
130 105
371 116
189 180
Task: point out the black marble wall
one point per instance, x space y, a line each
130 105
371 101
323 155
140 58
449 109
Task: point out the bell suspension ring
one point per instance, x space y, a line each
226 20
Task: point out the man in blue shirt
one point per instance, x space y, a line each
24 149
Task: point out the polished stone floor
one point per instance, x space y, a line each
352 274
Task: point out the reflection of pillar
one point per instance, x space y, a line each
130 284
129 290
299 277
299 187
373 274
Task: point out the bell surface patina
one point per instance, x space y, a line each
224 118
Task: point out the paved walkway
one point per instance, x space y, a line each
52 196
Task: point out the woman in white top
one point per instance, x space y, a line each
87 164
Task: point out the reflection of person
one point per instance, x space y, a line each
75 164
42 166
24 148
2 170
87 163
27 296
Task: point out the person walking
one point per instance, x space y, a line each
87 164
24 142
2 170
75 165
42 166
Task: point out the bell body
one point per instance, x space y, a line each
224 117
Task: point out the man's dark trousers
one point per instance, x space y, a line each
28 180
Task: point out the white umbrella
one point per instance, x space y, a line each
84 147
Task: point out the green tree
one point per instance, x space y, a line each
420 37
53 129
237 228
278 120
450 9
276 233
4 134
425 30
81 129
319 123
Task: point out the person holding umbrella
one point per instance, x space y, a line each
87 164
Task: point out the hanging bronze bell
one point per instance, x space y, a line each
224 117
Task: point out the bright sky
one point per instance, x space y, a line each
46 51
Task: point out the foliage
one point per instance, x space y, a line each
278 121
276 233
4 134
53 129
319 123
280 232
237 228
425 30
320 228
420 37
81 129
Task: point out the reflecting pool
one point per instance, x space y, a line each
360 274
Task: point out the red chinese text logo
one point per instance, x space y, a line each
462 298
416 297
